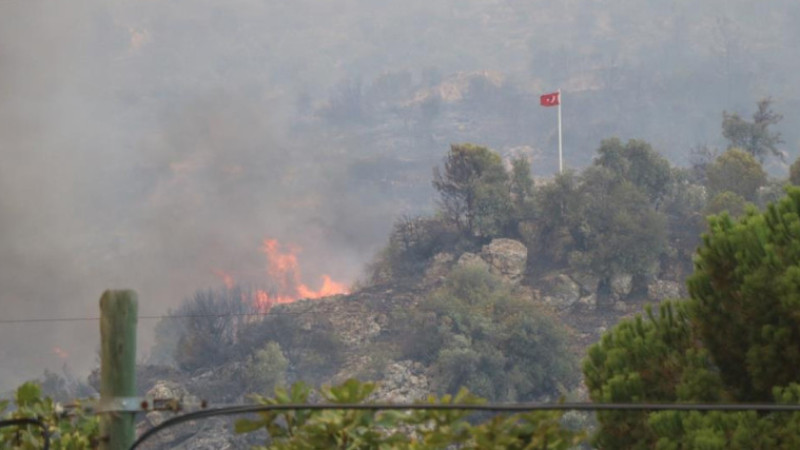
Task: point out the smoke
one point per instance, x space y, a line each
128 163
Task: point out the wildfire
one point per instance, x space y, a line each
284 271
283 268
226 278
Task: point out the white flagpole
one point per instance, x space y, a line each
560 158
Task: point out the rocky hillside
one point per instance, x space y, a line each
370 336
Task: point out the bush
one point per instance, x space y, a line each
313 350
79 431
204 329
353 429
479 334
266 368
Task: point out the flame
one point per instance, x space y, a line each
283 268
284 271
60 353
226 278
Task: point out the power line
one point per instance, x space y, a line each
185 316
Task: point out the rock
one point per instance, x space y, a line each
403 382
560 291
439 267
620 307
471 259
587 281
621 285
507 258
588 302
662 289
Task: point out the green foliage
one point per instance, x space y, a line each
754 137
419 429
605 220
684 207
266 368
314 354
413 241
736 339
619 230
473 190
499 344
76 432
637 162
746 291
561 211
738 172
727 202
650 359
794 172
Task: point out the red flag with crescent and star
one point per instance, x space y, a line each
553 99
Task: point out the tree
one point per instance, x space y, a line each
736 339
619 230
727 202
647 359
738 172
473 190
201 332
637 162
754 137
746 291
794 172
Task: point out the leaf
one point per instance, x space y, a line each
28 394
248 426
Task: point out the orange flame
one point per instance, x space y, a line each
283 268
226 278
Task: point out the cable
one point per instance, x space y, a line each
488 407
28 421
183 316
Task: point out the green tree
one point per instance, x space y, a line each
727 202
754 137
619 230
738 172
473 190
495 342
637 162
560 206
794 172
746 292
735 339
647 359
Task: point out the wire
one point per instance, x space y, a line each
488 407
29 421
184 316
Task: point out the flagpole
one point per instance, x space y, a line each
560 158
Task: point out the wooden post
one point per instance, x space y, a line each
118 317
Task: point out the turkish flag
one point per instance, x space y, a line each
550 99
